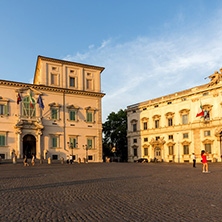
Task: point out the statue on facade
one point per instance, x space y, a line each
215 78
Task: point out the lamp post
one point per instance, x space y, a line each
220 146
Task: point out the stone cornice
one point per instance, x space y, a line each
175 96
50 88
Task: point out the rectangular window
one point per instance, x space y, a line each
170 137
170 150
185 119
145 151
54 141
55 157
72 82
134 140
135 151
90 143
185 135
145 139
89 84
89 117
208 148
72 115
145 125
170 121
185 149
72 142
207 133
134 127
90 157
54 113
3 109
2 155
54 79
157 123
2 140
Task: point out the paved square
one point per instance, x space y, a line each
110 192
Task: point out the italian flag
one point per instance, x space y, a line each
31 101
200 111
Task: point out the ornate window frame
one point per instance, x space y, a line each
145 120
73 108
4 102
55 106
183 112
134 121
155 118
207 108
90 110
169 115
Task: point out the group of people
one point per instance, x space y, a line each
26 161
204 160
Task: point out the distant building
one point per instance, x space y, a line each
70 122
167 128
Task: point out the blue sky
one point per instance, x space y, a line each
149 48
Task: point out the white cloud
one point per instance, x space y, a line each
146 68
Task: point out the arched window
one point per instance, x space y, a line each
27 109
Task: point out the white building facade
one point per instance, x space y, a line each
70 122
167 128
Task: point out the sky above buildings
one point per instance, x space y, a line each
148 48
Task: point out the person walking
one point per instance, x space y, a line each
25 161
194 159
33 160
204 161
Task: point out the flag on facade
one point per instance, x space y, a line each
200 111
31 101
40 102
19 99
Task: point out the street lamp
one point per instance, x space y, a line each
86 148
220 146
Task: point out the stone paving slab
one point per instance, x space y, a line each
110 192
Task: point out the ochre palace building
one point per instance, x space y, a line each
57 116
172 127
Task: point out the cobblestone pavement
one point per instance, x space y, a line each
110 192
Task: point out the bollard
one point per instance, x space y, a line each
49 160
79 160
62 160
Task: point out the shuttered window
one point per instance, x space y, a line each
2 140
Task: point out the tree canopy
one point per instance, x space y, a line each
114 135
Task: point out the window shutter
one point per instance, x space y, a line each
54 142
2 140
6 110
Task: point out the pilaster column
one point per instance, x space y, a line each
19 150
38 145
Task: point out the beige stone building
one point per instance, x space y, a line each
167 128
70 122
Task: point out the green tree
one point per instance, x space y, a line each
114 135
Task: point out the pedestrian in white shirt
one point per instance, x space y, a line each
194 159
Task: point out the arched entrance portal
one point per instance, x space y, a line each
29 145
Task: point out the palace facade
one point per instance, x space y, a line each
167 128
65 121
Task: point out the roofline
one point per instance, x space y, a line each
71 63
192 91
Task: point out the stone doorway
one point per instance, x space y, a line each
29 145
157 153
